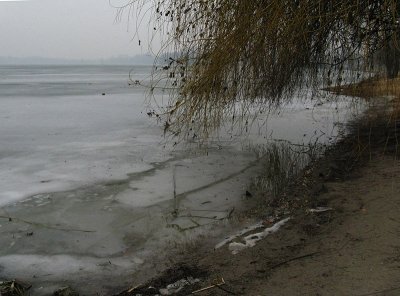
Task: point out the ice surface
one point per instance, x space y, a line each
90 187
57 142
191 175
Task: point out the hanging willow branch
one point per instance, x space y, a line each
228 57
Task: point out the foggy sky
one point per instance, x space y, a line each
78 29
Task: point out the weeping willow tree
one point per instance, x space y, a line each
232 56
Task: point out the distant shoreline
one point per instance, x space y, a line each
76 65
142 60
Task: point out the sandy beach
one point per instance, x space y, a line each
342 237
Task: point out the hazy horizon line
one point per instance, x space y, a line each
144 59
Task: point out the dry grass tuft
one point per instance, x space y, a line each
283 162
379 130
371 88
378 87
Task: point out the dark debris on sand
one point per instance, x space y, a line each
170 276
14 288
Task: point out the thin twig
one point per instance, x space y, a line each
44 225
293 259
210 287
174 184
200 217
225 290
380 292
209 218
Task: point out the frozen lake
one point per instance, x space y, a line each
89 184
58 131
